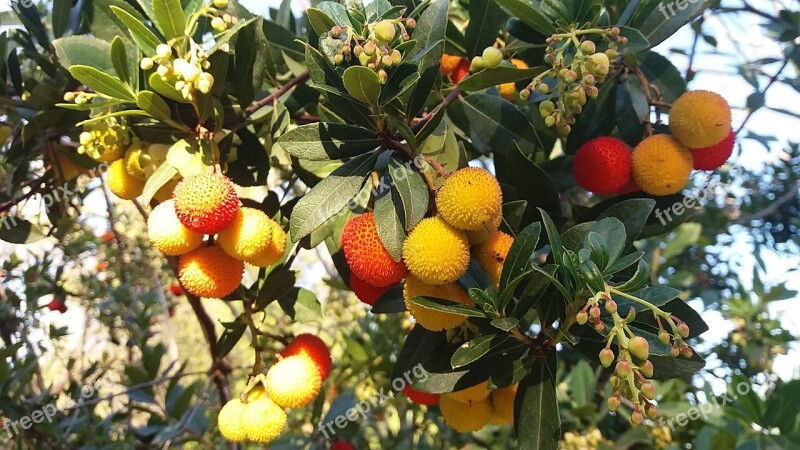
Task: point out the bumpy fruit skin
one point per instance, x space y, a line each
365 254
231 421
210 272
700 119
247 235
470 199
503 405
168 234
492 255
293 382
509 90
366 292
449 64
602 165
461 72
264 420
121 183
477 237
436 252
419 397
661 165
465 417
478 392
428 318
275 250
314 348
206 203
711 158
629 187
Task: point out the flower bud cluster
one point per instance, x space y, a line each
186 74
220 20
105 141
377 50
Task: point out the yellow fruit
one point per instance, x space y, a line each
168 234
700 119
274 251
121 183
470 199
477 237
263 420
509 90
210 272
492 255
293 382
661 165
231 421
436 252
135 160
503 405
428 318
478 392
247 236
465 417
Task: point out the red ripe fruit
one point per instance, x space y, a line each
419 397
711 158
602 165
176 289
630 186
342 445
365 254
206 203
366 292
461 72
314 348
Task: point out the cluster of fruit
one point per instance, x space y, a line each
207 204
185 74
378 49
470 409
220 20
437 251
589 439
702 139
458 67
258 414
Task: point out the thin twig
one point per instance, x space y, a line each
772 208
416 127
258 104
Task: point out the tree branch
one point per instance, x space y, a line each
772 208
258 104
416 127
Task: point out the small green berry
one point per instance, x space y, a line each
588 47
220 4
639 347
492 57
477 64
385 31
606 357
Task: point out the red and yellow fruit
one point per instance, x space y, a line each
121 183
602 165
503 405
264 420
206 203
661 165
231 421
436 252
366 292
421 398
313 348
365 254
210 272
168 234
492 255
273 252
293 382
700 119
509 90
713 157
473 393
449 64
461 71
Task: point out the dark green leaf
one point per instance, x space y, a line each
636 41
363 84
19 231
437 304
326 141
319 21
119 58
613 233
526 12
412 190
633 214
532 183
230 336
302 305
500 124
506 323
85 51
169 16
485 20
389 223
663 74
536 417
519 255
60 18
102 82
145 39
497 75
479 347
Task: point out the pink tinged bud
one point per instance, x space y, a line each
686 351
606 357
651 411
683 330
663 337
647 369
614 380
611 306
674 351
648 390
581 317
599 326
639 347
623 369
613 403
637 417
594 311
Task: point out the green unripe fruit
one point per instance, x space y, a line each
338 58
525 94
663 337
492 57
549 121
477 64
369 48
570 76
385 31
545 109
588 47
544 89
218 24
606 357
639 347
220 4
549 58
601 64
336 32
612 53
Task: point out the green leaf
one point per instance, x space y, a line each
655 295
519 255
581 382
613 233
683 237
485 20
233 331
636 41
154 105
553 237
320 21
19 231
102 82
429 35
330 196
119 58
145 39
170 18
525 11
389 224
418 347
165 89
336 11
633 214
85 51
327 141
278 284
400 81
536 417
497 75
163 175
658 22
302 305
479 347
624 262
506 323
363 84
412 190
663 74
500 124
60 17
531 182
438 304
